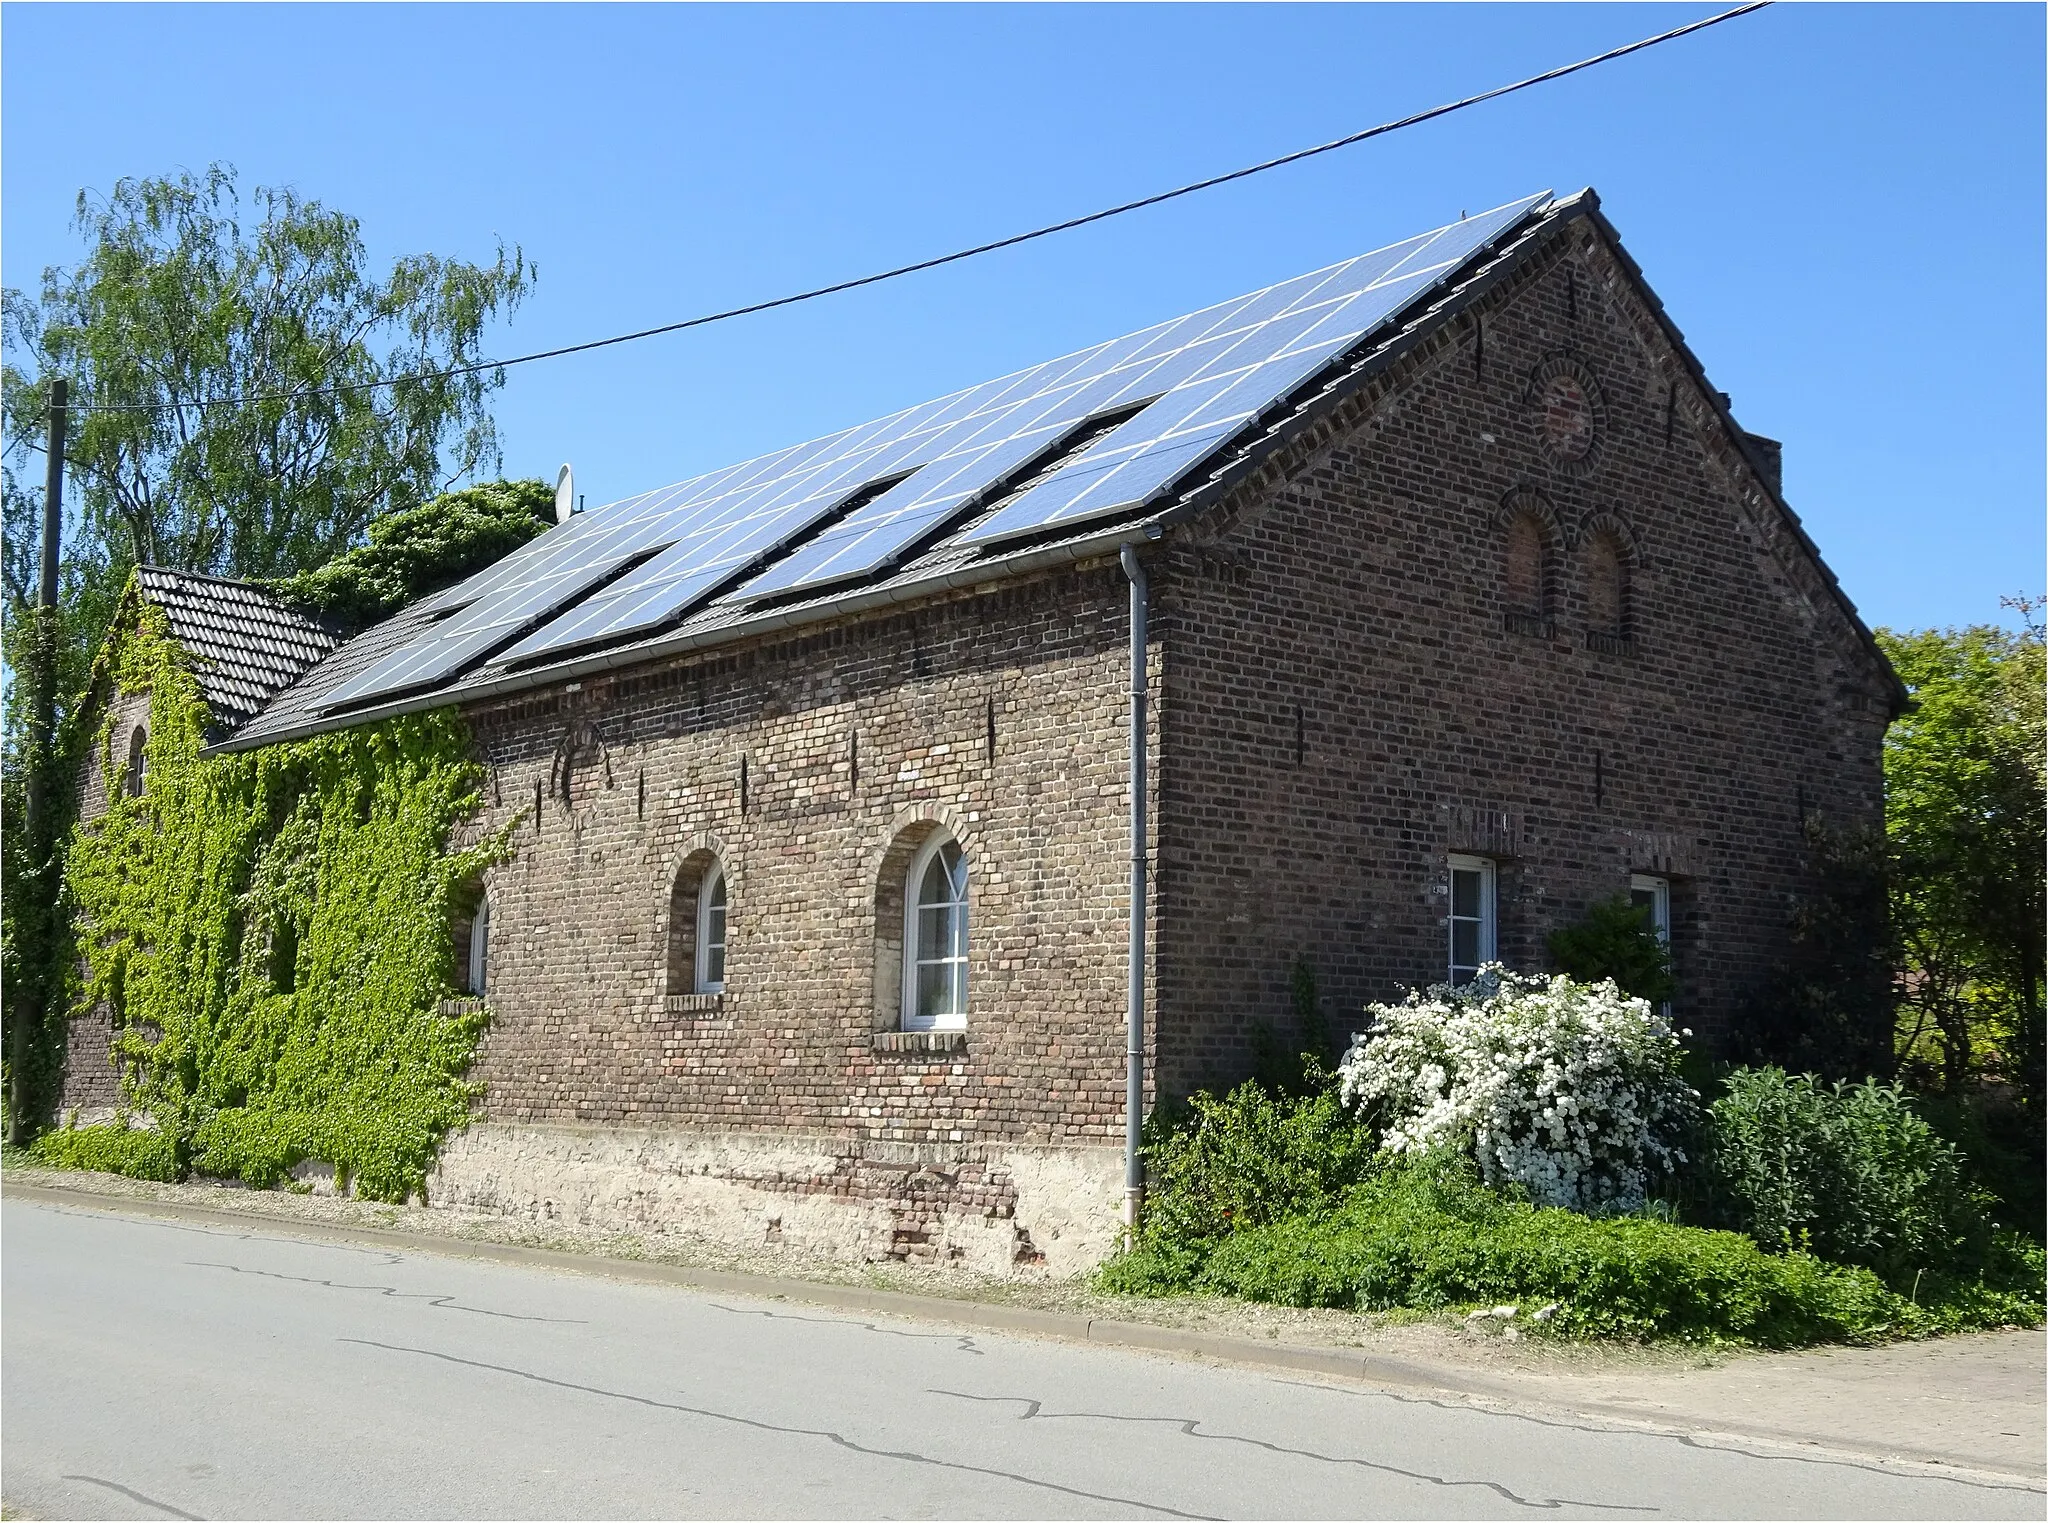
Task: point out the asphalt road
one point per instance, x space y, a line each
162 1369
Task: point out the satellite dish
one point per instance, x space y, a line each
565 495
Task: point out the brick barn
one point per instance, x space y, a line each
818 930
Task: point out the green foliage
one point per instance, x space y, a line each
272 932
184 294
1851 1173
1617 939
111 1150
413 551
34 913
1218 1166
1964 792
1424 1233
2001 1140
1826 1006
1296 1064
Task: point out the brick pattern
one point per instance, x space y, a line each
809 767
1349 697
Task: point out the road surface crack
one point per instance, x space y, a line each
1686 1439
136 1496
445 1303
965 1343
1192 1426
763 1426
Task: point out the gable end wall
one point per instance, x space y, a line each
1344 704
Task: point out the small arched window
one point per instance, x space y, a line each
935 938
1607 586
480 951
698 902
138 762
710 969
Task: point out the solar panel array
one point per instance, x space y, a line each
629 568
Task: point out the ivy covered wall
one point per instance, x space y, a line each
270 932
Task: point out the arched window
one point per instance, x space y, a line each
698 902
480 951
710 960
138 762
935 938
1607 586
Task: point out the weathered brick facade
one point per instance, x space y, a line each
1351 680
1349 696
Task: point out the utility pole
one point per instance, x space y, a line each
42 727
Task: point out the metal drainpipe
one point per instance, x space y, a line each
1134 1094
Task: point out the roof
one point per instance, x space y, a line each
964 555
246 646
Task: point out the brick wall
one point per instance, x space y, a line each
811 768
1350 695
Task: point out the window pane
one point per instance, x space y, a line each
935 989
1464 943
718 895
714 960
936 887
1644 899
1465 889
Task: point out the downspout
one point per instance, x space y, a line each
1134 1055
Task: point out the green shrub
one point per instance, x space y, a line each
1425 1233
1850 1173
2002 1143
1616 940
1217 1166
110 1150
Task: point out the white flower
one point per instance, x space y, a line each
1569 1090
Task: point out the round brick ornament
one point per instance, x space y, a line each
1568 411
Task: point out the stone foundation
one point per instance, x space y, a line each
1003 1210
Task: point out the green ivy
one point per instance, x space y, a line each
410 552
272 932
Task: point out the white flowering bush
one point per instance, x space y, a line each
1570 1090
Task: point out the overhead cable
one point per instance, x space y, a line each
959 254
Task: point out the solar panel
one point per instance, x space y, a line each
1253 357
641 563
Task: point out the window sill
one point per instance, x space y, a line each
1534 625
920 1041
1610 645
468 1005
693 1004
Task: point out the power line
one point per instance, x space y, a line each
953 258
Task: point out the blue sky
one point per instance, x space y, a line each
1841 205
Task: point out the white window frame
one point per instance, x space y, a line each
912 1019
701 979
1489 950
1659 890
480 950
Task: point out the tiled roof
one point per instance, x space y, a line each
246 646
293 707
